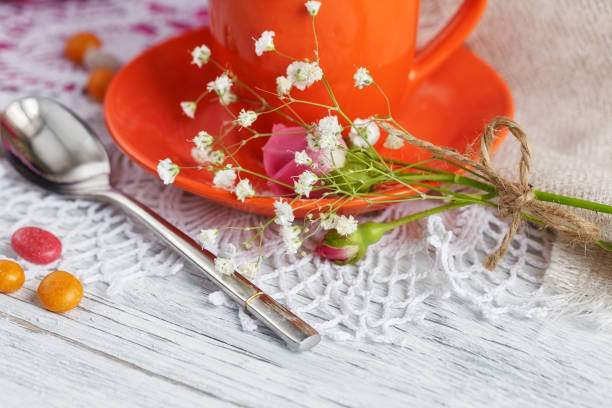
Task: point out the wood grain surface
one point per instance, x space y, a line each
161 344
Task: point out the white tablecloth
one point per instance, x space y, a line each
559 96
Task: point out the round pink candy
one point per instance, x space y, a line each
36 245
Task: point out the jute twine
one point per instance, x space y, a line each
514 197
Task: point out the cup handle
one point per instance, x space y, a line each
432 55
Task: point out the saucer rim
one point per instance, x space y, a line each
264 205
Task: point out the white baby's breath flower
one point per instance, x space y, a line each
312 7
346 225
290 235
200 155
362 78
283 85
208 236
205 154
221 85
250 269
189 108
225 179
328 221
393 142
200 55
264 43
203 139
302 158
303 74
284 212
216 156
364 132
314 141
167 171
326 134
305 182
329 142
246 118
227 98
244 189
329 126
224 266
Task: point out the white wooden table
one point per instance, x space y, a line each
161 344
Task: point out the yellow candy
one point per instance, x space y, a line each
11 276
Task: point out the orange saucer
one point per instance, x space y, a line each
143 116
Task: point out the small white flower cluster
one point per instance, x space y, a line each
283 212
343 224
189 108
312 7
264 43
302 158
224 266
300 74
303 185
167 171
200 55
203 152
364 132
222 87
208 236
244 189
303 74
346 225
326 135
250 269
283 86
362 78
246 118
290 235
225 178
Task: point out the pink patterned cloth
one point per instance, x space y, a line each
33 33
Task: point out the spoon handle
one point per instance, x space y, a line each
298 335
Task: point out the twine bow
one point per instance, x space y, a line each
514 197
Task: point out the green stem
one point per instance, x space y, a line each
387 226
448 178
572 202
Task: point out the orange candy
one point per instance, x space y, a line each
11 276
60 291
78 44
99 79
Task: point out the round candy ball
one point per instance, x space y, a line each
11 276
98 82
60 291
36 245
78 44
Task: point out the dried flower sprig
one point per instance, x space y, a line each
324 166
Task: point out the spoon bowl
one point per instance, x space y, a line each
53 148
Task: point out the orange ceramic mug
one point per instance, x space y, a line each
377 34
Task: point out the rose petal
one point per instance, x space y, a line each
280 149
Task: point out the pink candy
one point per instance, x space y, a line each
36 245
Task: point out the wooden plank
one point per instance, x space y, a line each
161 342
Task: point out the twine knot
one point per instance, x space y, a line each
514 197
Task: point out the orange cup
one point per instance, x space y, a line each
377 34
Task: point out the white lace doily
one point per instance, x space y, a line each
402 279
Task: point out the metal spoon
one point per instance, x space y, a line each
52 147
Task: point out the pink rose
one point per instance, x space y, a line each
279 157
